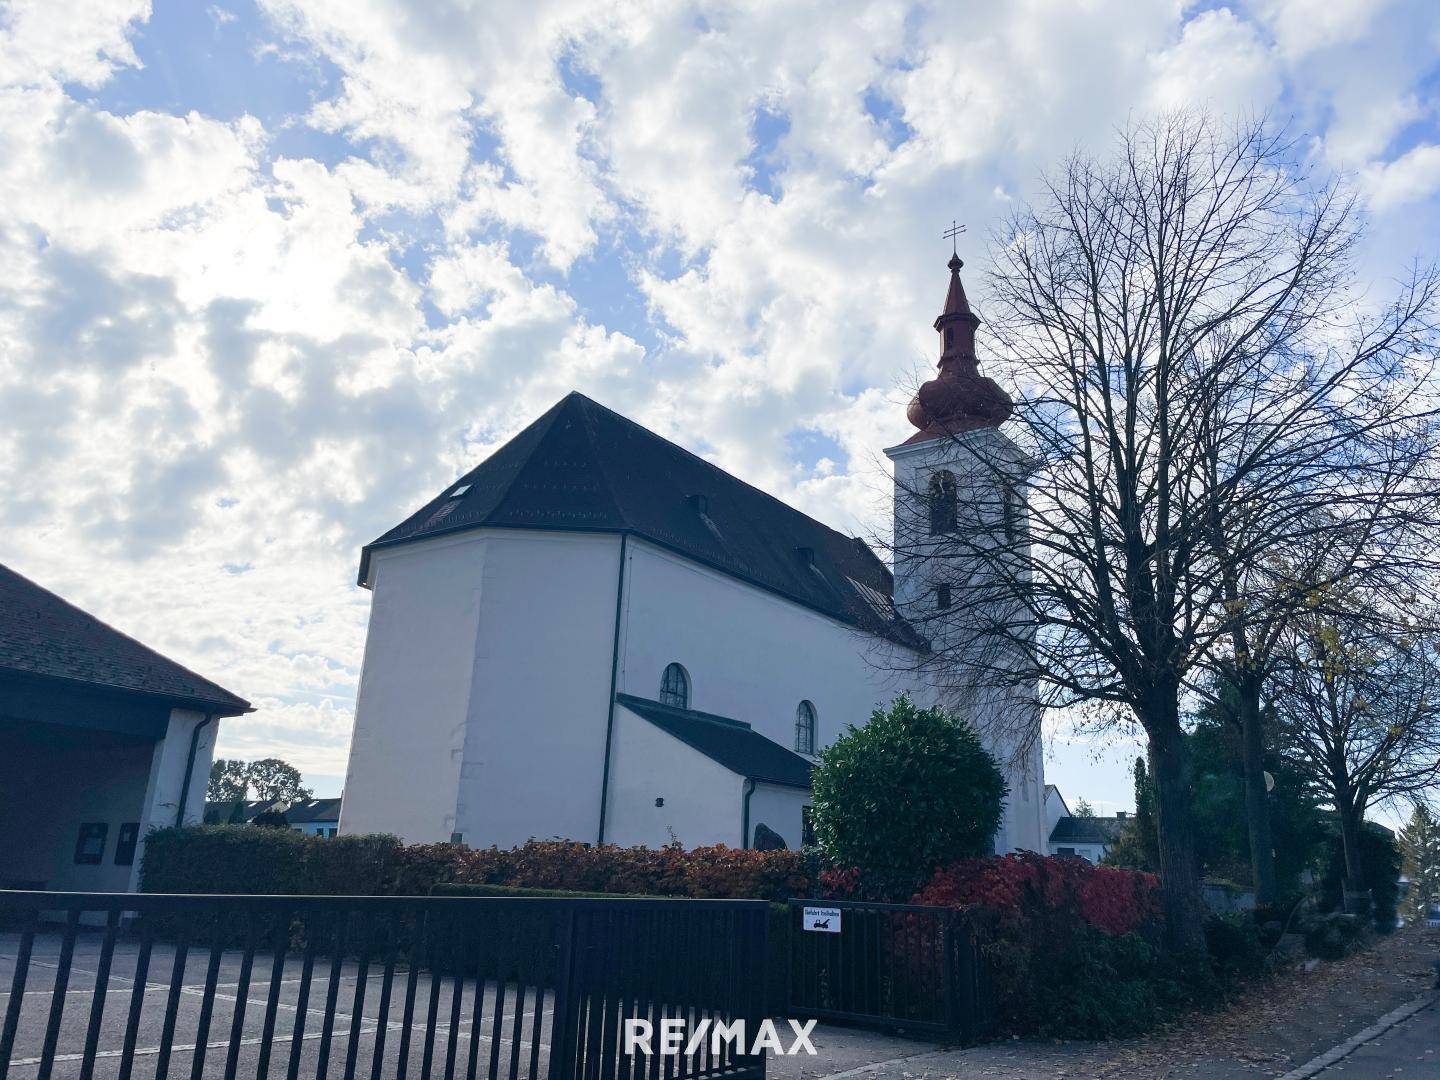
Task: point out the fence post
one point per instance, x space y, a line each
562 1044
947 950
758 1005
964 947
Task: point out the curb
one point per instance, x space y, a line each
875 1066
1374 1031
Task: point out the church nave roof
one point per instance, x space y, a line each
584 467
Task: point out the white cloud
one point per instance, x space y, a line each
1220 63
1409 179
81 41
1305 26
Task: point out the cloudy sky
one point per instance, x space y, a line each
272 272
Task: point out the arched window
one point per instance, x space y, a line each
675 687
805 728
943 498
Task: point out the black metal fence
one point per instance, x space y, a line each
893 966
116 985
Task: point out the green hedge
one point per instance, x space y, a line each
264 861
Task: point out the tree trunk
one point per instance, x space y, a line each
1257 800
1179 864
1350 843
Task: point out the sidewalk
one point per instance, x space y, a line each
1411 1048
1266 1033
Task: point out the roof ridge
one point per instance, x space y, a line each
729 476
225 695
600 464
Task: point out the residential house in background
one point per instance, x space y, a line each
314 817
101 740
1087 838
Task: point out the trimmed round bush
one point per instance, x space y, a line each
910 791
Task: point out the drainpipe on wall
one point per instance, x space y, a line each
614 674
190 768
745 813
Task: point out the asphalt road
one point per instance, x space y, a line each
471 1031
1408 1051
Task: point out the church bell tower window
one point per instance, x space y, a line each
944 515
675 687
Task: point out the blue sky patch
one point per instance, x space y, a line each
765 162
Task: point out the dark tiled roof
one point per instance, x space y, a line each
728 742
313 810
300 813
581 466
1088 830
43 635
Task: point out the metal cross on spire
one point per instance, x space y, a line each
951 233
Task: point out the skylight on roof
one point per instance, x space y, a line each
459 491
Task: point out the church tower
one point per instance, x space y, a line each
960 500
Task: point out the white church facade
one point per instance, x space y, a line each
596 635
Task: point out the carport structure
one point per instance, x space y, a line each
101 740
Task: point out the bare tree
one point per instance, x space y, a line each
1147 304
1360 715
1342 491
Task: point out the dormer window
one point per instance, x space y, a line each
806 555
701 505
943 500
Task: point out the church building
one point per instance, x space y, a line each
599 636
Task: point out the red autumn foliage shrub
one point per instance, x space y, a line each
1105 897
1051 925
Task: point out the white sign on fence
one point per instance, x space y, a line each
824 920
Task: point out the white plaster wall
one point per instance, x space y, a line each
414 696
702 798
540 689
782 809
1055 809
165 789
752 656
1092 853
484 694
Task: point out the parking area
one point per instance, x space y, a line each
344 1014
